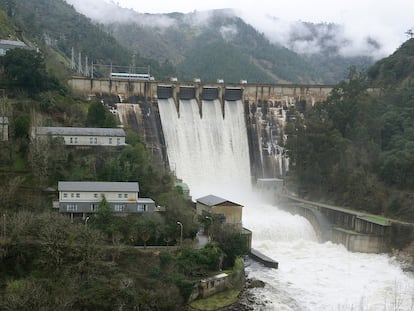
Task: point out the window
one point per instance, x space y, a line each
94 207
141 208
95 195
119 207
91 140
96 140
71 140
72 195
119 195
110 140
118 141
72 207
78 195
76 140
125 195
65 195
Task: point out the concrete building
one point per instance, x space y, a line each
6 45
82 136
4 129
231 211
81 198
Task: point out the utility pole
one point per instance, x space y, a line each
72 59
181 233
86 66
4 226
80 63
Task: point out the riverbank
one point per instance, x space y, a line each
244 300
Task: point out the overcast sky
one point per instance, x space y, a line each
384 20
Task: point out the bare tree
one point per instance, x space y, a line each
9 191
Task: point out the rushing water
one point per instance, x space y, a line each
210 154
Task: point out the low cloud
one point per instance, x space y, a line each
356 35
228 32
107 11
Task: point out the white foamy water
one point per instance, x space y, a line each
210 154
316 276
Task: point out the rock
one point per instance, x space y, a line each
254 283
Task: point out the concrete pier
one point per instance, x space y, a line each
263 259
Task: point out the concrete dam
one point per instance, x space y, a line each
265 112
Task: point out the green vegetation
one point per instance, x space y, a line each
376 219
104 262
355 149
224 46
56 28
227 298
217 301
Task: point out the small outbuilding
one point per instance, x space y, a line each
212 204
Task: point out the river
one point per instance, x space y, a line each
209 152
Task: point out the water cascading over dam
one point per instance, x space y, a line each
210 153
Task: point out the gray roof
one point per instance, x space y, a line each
79 131
86 186
13 43
212 200
145 200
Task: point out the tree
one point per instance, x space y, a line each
104 218
22 126
147 226
54 239
99 116
233 245
25 70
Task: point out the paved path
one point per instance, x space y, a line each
202 239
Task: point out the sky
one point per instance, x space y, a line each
383 20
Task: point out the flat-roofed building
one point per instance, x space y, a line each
6 45
84 197
83 136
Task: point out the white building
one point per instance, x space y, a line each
83 136
84 197
6 45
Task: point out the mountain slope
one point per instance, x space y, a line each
298 52
196 43
56 25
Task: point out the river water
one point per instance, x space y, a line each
321 276
210 154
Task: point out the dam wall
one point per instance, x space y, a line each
251 92
266 109
357 231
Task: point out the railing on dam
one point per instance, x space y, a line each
358 231
151 89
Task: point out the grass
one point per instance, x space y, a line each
217 301
376 219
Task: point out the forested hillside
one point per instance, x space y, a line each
356 148
353 150
56 28
217 44
47 260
